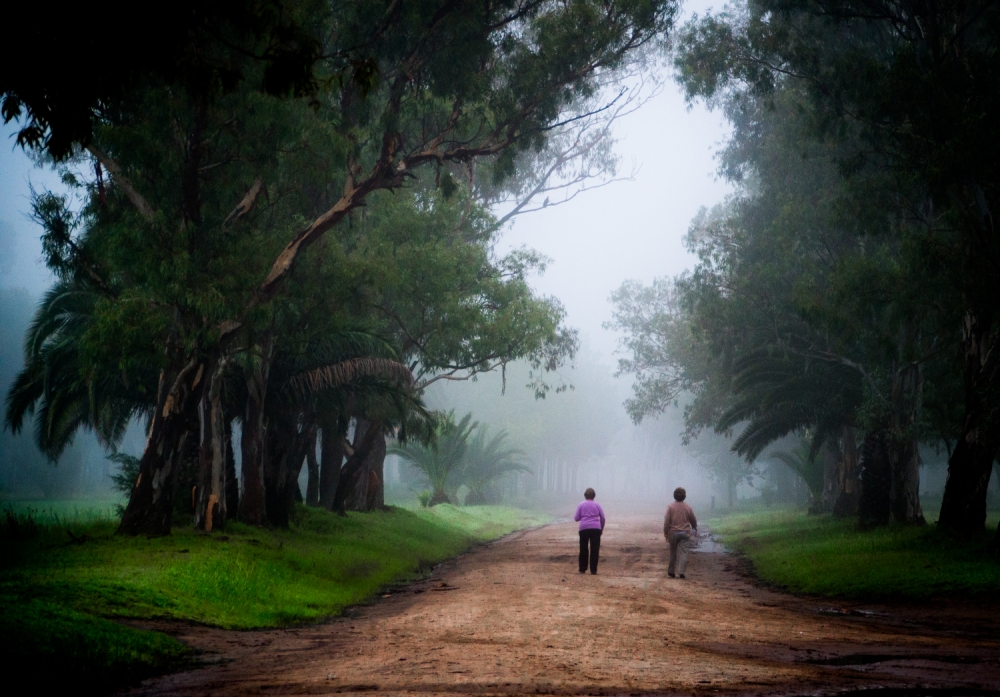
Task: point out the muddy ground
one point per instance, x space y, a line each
516 618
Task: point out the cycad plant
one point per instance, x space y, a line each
443 455
486 460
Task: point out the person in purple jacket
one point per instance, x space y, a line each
591 517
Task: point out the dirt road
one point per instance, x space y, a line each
515 617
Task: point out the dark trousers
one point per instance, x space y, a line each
593 537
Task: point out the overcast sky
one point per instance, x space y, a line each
628 230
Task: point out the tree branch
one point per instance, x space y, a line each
244 206
115 171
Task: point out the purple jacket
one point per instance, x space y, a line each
591 515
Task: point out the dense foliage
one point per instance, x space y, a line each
204 170
846 292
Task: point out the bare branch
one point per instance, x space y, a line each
246 204
115 171
454 375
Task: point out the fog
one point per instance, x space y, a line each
25 473
630 229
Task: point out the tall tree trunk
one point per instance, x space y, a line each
232 483
876 480
832 462
996 478
333 435
904 455
312 483
253 441
351 470
905 494
281 448
296 459
963 507
850 482
151 504
369 493
211 510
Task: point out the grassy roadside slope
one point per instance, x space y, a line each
822 556
57 592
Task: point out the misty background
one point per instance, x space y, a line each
630 229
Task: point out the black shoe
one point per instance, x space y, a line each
682 576
670 575
583 571
593 573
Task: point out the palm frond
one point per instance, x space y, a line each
349 371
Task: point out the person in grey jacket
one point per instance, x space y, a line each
679 525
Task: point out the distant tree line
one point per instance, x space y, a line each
847 291
280 218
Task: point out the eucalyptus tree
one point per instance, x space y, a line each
805 313
917 84
402 88
419 267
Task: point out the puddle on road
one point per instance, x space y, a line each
707 544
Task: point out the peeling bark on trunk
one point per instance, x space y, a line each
151 504
850 482
963 507
210 513
876 481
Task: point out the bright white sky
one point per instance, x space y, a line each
631 229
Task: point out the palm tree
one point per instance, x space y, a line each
309 384
804 462
487 459
776 394
443 455
53 387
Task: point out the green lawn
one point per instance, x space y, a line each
822 556
57 592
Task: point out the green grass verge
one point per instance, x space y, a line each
57 592
822 556
67 512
